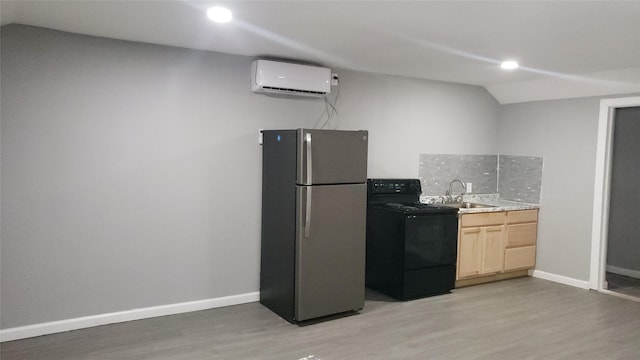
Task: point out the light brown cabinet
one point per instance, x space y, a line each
492 256
469 252
522 231
496 245
481 244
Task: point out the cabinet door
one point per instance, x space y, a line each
492 249
470 252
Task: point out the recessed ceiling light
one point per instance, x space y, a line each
509 65
219 14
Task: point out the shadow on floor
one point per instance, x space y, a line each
372 295
623 284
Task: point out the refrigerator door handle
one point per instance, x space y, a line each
307 139
307 215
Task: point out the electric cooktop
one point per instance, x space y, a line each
417 208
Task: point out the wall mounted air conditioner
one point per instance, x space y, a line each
280 78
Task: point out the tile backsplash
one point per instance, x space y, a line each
517 178
520 178
436 171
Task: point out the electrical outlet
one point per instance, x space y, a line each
469 188
334 79
260 137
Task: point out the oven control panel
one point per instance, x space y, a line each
394 186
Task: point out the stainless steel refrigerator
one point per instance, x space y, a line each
313 222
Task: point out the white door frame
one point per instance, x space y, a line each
600 223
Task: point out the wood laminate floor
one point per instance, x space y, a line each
515 319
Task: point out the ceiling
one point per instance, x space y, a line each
566 48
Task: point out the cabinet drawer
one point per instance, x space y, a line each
520 258
482 219
522 216
522 234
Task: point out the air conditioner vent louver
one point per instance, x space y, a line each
273 77
294 90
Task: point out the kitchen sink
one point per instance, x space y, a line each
468 205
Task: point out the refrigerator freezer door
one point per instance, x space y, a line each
330 249
331 157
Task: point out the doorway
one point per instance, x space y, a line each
622 265
607 203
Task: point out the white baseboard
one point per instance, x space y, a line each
28 331
622 271
560 279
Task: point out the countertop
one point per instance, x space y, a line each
494 200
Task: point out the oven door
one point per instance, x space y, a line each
430 240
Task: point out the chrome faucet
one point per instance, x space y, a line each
449 195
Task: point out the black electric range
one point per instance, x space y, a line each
411 247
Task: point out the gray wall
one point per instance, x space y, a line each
118 160
623 243
564 133
407 117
